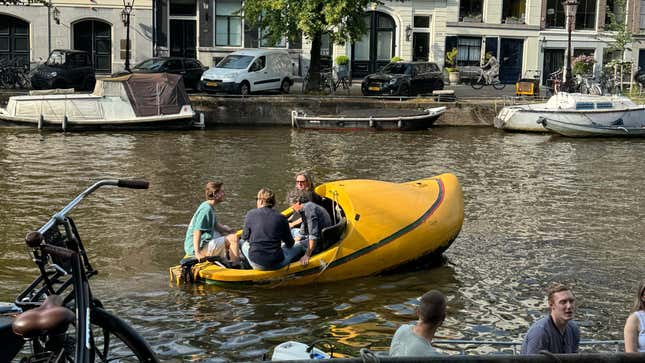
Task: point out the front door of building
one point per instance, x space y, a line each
14 40
95 37
420 46
553 61
510 62
182 38
376 48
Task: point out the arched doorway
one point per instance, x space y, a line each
95 37
376 48
14 39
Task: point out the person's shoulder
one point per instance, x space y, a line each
539 325
574 327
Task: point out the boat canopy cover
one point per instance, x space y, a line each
150 94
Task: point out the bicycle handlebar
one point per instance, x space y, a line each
123 183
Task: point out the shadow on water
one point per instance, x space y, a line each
538 209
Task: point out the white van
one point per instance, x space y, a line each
250 70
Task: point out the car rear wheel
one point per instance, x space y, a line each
286 85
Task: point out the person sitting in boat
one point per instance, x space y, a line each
304 182
416 340
207 237
556 333
314 219
490 70
264 232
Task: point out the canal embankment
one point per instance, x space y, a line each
469 108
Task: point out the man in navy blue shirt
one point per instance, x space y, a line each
263 234
556 332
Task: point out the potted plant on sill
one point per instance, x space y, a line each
342 61
451 66
395 59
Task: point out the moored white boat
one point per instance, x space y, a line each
370 119
590 130
572 108
128 102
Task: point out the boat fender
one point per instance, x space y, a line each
371 122
41 122
65 123
399 123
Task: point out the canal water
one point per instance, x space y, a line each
538 209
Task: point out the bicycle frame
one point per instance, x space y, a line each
69 266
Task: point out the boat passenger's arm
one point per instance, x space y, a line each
223 229
197 237
631 334
310 249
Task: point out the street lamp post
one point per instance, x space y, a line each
125 17
570 7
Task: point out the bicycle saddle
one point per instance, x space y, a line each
49 318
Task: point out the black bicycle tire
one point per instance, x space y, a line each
499 85
119 328
476 84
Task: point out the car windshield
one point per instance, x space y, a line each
153 64
235 62
56 58
397 68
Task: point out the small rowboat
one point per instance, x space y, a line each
381 226
591 129
375 119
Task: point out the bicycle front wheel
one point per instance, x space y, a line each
499 85
477 83
113 340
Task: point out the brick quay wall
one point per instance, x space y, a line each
268 110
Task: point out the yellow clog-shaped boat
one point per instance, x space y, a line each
380 226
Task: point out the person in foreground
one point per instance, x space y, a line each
207 237
314 219
635 324
556 332
415 340
263 234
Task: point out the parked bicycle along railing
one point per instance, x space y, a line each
331 81
57 315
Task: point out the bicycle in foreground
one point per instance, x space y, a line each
57 314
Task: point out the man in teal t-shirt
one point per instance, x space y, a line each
205 236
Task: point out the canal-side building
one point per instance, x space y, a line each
29 31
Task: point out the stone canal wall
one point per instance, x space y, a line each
276 110
265 110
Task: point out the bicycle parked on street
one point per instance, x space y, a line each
327 84
57 314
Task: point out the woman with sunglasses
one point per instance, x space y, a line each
304 182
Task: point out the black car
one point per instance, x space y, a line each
191 69
404 79
65 68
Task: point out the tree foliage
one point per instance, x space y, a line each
618 29
342 20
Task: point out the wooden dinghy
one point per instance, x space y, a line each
374 119
380 226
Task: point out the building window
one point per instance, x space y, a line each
642 14
421 21
470 11
183 8
264 40
228 23
554 14
586 14
513 11
469 51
